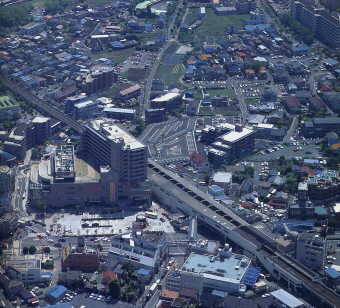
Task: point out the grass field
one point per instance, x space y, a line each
226 111
191 16
252 100
118 56
221 92
214 26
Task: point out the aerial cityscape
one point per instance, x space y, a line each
170 153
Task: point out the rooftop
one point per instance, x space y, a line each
166 97
235 136
40 120
287 299
228 269
114 133
6 101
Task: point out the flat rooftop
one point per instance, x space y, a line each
166 97
231 269
22 264
114 132
64 162
6 101
235 136
40 120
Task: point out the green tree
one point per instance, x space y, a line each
32 250
114 288
25 250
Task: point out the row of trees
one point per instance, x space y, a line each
13 16
302 33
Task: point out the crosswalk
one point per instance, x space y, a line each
178 68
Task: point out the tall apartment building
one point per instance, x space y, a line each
108 145
99 78
310 250
38 131
324 25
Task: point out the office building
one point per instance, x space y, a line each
105 144
225 273
8 225
236 143
155 115
167 101
324 25
144 249
120 113
100 77
85 110
310 250
84 260
223 180
319 127
6 181
71 101
38 131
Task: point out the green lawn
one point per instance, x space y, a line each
221 92
215 25
118 56
226 111
252 100
191 16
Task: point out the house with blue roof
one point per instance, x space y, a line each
55 294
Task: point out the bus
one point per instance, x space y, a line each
154 287
151 215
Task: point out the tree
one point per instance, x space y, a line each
114 288
46 249
32 250
282 160
25 250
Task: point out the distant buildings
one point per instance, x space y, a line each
9 109
321 23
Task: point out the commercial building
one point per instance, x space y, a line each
27 269
55 294
310 250
65 180
325 26
105 144
100 77
155 115
85 110
319 127
144 249
167 101
71 101
6 180
120 113
223 180
79 260
130 92
225 272
236 143
8 224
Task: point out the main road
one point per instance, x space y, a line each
169 42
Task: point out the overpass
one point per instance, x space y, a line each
42 106
179 194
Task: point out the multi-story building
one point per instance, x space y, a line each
85 110
8 224
155 115
9 109
81 260
71 101
65 180
6 180
225 272
38 131
108 145
145 249
27 269
324 25
319 127
310 250
167 101
120 113
99 78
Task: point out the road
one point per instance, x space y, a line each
243 106
292 129
148 82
